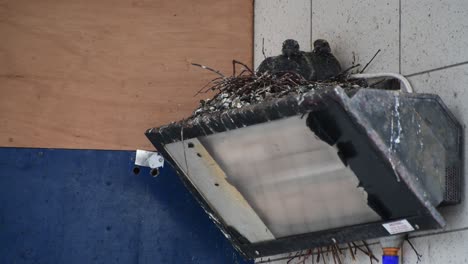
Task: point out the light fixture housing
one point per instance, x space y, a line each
329 166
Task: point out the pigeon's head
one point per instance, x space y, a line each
290 48
321 46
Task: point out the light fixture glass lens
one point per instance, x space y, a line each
273 180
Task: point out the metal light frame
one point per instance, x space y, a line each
402 190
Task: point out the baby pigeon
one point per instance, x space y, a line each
326 66
292 59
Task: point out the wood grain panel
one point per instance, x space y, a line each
95 74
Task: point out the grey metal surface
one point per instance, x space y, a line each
415 129
372 145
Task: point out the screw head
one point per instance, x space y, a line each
154 172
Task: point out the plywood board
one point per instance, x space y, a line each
96 74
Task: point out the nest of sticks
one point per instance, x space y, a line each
249 87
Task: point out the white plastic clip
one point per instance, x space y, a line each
149 159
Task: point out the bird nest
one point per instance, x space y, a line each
251 87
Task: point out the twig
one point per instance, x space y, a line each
365 252
298 253
419 256
323 257
338 249
336 254
206 85
348 69
208 68
233 68
333 254
351 251
242 72
248 87
263 48
306 256
243 64
371 255
365 67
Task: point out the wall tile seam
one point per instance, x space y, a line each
437 69
399 36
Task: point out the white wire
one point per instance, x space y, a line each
404 83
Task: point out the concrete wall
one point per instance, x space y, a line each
277 20
424 40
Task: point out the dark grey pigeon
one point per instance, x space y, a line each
292 59
326 66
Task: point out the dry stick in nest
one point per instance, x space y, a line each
419 256
305 257
298 253
323 257
336 255
242 72
290 256
338 249
334 258
234 62
368 253
226 84
351 251
206 85
215 81
365 67
208 68
348 69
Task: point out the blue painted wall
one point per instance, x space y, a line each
87 206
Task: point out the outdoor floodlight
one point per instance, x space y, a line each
329 166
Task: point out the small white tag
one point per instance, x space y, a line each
148 159
397 227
